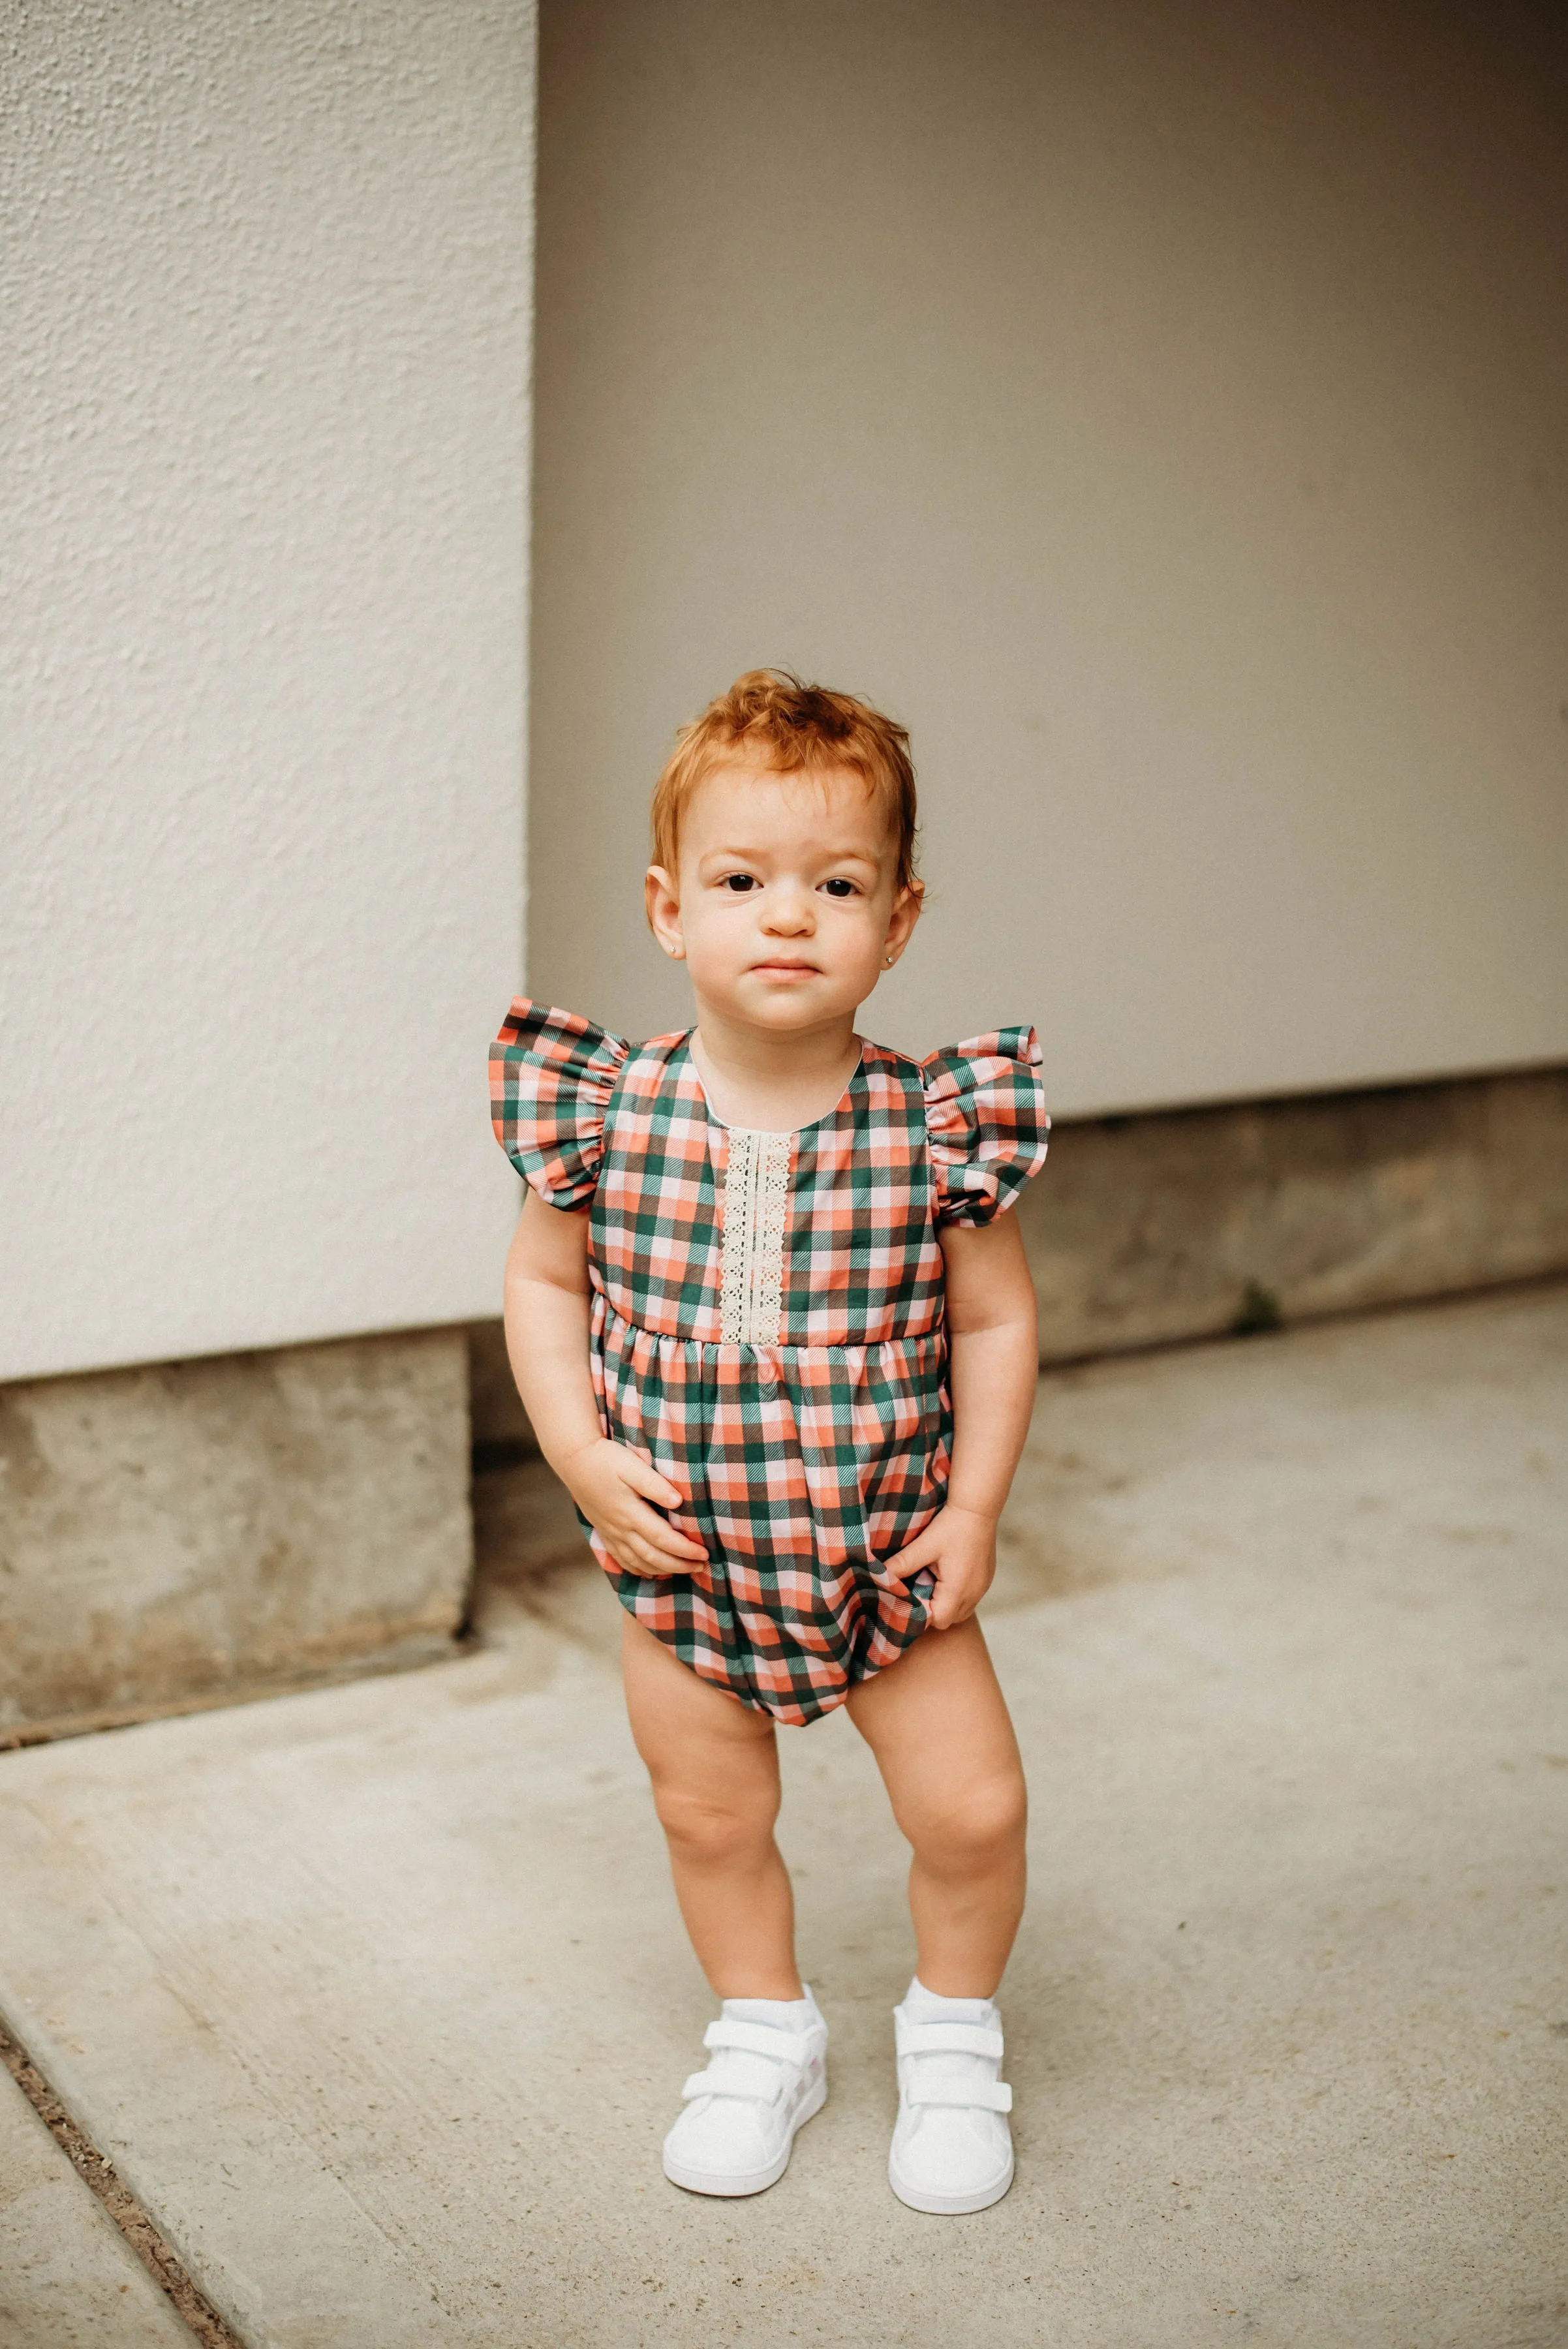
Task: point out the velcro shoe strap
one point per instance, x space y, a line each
752 2092
985 2095
759 2039
949 2039
705 2085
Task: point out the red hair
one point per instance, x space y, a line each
790 729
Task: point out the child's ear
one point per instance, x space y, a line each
663 906
905 913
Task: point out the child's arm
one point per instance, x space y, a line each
994 1362
547 1343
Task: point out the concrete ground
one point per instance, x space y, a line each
68 2277
378 1999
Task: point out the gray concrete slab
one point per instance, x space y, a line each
189 1531
1156 1227
69 2280
378 1996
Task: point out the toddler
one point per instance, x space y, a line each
775 1333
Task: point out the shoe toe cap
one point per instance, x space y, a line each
724 2135
948 2150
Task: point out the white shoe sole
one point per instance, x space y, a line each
949 2206
747 2181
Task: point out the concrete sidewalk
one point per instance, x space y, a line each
377 1998
67 2276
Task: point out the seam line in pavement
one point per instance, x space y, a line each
98 2172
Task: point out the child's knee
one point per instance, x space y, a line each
711 1827
976 1827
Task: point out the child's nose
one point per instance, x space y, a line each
788 911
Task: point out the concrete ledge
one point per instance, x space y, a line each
174 1535
1188 1223
500 1422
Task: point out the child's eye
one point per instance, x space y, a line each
839 887
739 882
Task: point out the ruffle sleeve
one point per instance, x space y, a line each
985 1115
551 1078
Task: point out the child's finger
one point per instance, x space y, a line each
668 1538
907 1562
647 1480
656 1531
672 1545
657 1558
948 1607
629 1560
646 1560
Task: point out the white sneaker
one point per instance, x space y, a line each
953 2150
768 2075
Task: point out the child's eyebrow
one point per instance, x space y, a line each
760 856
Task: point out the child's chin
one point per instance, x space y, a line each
793 999
787 1010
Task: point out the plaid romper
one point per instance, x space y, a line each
768 1324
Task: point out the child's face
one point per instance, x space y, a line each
786 905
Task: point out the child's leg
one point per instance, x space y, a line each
715 1772
940 1730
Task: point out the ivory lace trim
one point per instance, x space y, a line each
756 1206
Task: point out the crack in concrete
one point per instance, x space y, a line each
98 2172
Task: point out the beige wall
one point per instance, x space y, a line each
267 290
1161 408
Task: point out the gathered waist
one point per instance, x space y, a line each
618 1330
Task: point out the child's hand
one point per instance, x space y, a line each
606 1481
960 1547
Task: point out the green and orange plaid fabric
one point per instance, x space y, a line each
810 1461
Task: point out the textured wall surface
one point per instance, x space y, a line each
266 286
1163 409
206 1528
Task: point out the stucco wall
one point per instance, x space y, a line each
266 281
1164 410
